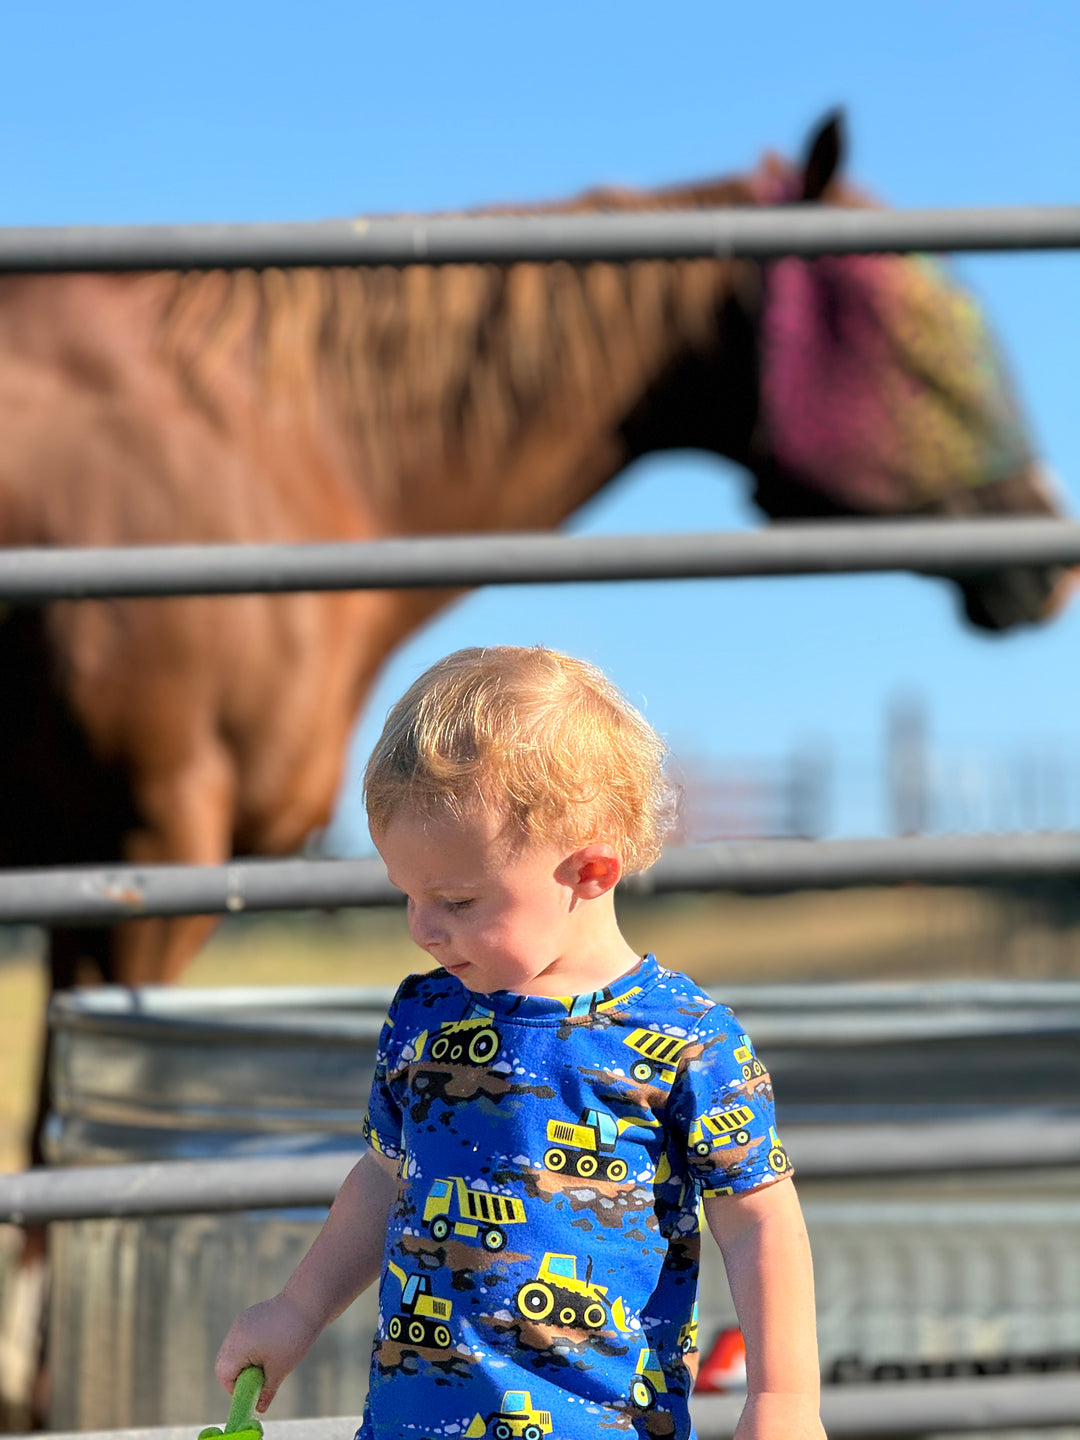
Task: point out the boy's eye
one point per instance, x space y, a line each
458 904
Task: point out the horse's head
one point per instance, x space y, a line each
880 390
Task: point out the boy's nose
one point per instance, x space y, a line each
424 926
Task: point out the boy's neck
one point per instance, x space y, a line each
600 958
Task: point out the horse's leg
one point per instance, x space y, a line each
187 818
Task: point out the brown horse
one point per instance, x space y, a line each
308 404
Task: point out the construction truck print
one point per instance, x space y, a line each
688 1335
744 1057
471 1041
779 1163
515 1419
452 1208
558 1297
657 1056
648 1381
547 1217
597 1002
423 1320
726 1127
587 1147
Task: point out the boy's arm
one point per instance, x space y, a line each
762 1238
344 1259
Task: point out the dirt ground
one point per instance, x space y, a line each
911 932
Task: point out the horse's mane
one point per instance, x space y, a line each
427 358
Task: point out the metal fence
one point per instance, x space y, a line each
752 233
941 548
106 895
905 1409
936 547
853 547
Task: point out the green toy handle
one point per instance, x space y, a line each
246 1391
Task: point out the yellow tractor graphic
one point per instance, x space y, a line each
515 1419
658 1055
779 1163
558 1297
726 1127
744 1056
424 1318
648 1381
472 1041
586 1148
452 1208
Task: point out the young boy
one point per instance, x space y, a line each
551 1114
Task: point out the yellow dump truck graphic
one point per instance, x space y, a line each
648 1381
586 1148
515 1419
558 1297
452 1208
778 1157
423 1318
472 1041
658 1055
726 1127
744 1056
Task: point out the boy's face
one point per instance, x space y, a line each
494 916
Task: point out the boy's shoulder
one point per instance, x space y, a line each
678 1003
420 984
429 1000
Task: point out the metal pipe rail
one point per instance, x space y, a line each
910 1407
819 1151
751 232
854 547
105 896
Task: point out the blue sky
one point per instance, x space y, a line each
243 111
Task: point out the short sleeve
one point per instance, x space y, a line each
722 1113
382 1123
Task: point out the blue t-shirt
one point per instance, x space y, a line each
540 1272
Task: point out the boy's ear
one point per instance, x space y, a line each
592 871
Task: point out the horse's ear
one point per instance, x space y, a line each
824 155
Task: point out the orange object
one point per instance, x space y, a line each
724 1368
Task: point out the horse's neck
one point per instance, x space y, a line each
528 420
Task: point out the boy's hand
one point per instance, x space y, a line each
777 1416
275 1334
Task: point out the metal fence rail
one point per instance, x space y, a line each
821 1151
750 232
124 892
907 1408
938 547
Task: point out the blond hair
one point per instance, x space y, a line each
527 733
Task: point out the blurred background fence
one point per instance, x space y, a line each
916 1271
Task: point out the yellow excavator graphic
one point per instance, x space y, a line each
778 1156
648 1381
586 1148
744 1056
424 1318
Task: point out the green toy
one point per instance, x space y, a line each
243 1423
